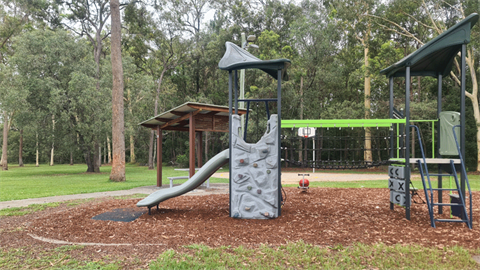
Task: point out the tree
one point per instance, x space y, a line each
355 20
158 49
118 126
57 71
89 18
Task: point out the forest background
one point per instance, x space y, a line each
56 72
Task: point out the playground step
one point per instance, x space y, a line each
440 174
451 220
447 204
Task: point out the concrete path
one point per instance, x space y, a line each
215 188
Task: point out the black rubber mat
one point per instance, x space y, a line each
121 214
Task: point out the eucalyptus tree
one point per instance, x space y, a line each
89 19
15 17
118 122
58 72
353 18
158 47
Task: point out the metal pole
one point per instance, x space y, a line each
390 82
407 145
230 138
242 86
439 110
314 154
462 114
236 92
279 131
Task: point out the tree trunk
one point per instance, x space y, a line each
105 153
6 127
109 151
474 98
133 159
368 133
53 141
96 157
20 149
36 150
71 157
118 123
155 112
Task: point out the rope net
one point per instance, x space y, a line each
337 148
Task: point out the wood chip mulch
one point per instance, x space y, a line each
321 216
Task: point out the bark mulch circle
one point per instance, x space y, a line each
321 216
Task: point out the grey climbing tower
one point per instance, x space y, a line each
255 176
254 168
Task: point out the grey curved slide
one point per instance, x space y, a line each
198 178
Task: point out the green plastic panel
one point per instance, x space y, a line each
447 141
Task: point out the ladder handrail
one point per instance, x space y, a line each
424 160
464 171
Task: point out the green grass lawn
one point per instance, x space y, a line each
297 255
35 182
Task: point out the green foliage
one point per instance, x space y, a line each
183 161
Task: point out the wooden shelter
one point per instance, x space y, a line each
194 118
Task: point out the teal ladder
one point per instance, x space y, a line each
427 186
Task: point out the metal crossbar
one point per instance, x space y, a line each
342 123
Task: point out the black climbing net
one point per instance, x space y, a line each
337 148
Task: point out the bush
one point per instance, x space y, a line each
182 161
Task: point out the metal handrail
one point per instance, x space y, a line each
464 171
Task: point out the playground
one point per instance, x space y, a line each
254 211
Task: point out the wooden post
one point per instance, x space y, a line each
159 156
191 137
199 149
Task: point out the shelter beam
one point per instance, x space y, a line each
191 138
159 156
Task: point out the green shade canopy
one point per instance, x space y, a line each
435 57
236 58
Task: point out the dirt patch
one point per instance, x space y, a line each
322 216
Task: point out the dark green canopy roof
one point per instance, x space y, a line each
236 58
436 57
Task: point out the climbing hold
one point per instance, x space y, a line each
247 208
236 215
264 151
268 171
249 188
259 191
240 176
266 214
255 165
242 161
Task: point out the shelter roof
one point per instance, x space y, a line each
178 117
236 58
436 56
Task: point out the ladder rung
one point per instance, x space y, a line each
448 204
440 174
447 189
451 220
